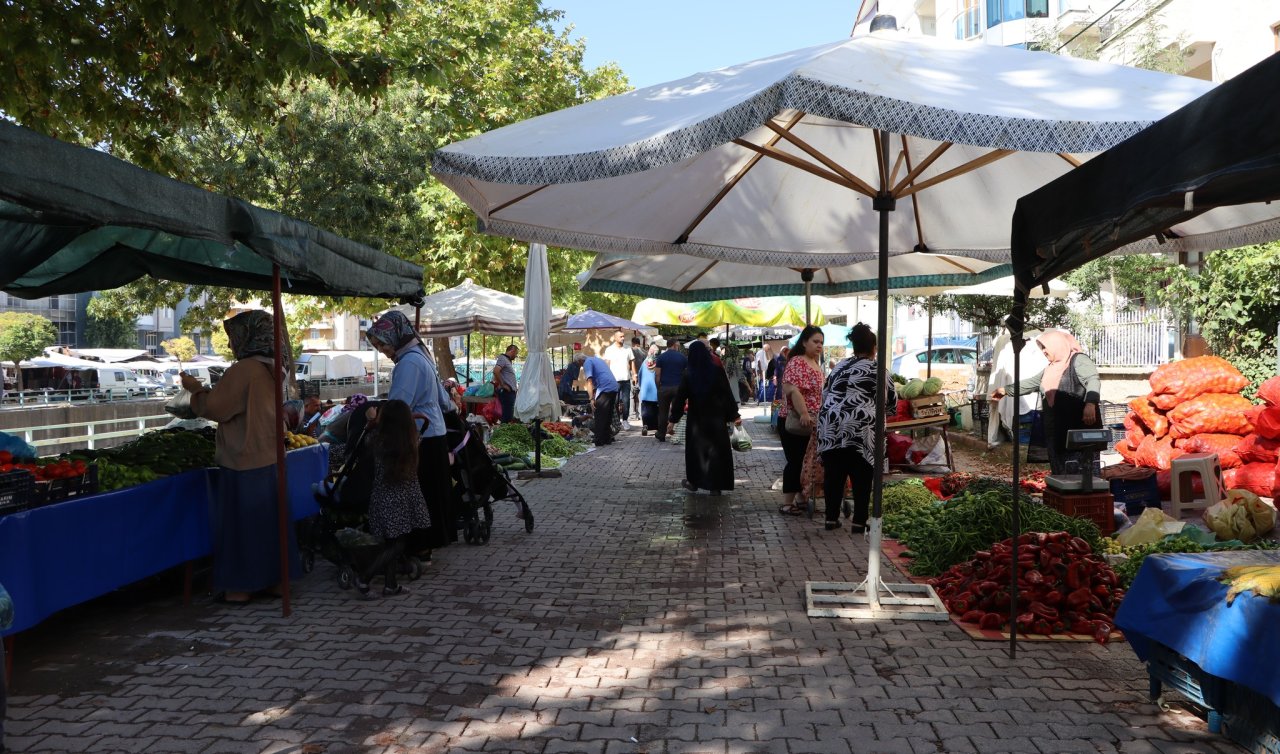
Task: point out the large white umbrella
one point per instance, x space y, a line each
798 160
537 397
469 308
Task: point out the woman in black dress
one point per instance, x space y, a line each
708 460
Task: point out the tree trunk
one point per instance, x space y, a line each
444 358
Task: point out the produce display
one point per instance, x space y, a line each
564 429
512 438
905 495
294 441
1191 539
166 451
512 447
1262 580
918 388
1242 515
44 469
1062 587
1196 406
114 476
938 537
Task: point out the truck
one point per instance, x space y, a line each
317 367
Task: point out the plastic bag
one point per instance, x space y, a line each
1164 402
739 439
1269 391
1155 423
1128 452
1192 377
1242 515
1265 420
1152 526
897 445
928 451
1156 454
1223 445
1218 413
16 446
1258 478
180 405
1255 449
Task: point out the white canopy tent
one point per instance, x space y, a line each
469 308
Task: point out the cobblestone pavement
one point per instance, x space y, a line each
635 619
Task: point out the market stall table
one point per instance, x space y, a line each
60 555
941 422
1178 603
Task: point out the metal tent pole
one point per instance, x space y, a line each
807 276
1016 328
468 382
282 483
928 345
883 203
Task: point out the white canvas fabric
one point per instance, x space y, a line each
537 397
470 308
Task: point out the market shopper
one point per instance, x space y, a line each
648 394
504 382
846 429
708 459
638 355
396 505
668 371
245 526
603 391
414 380
800 387
1070 388
622 364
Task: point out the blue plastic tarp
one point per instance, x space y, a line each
60 555
1177 600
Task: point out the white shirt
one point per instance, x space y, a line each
619 359
762 361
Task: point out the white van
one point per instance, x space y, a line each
172 381
117 382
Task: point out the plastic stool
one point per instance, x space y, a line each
1210 471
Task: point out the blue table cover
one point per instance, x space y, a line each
63 554
1177 600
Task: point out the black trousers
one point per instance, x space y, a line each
666 396
838 465
605 408
793 448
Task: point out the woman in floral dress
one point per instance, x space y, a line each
801 392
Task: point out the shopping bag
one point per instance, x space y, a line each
739 439
180 405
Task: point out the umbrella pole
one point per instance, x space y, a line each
928 353
468 381
884 204
1016 328
282 485
807 276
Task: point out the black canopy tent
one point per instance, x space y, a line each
74 219
1220 150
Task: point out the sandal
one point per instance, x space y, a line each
792 510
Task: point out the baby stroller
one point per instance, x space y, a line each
477 482
338 532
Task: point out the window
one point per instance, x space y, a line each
994 16
119 376
66 333
1037 8
1014 10
966 357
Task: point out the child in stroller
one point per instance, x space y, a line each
477 482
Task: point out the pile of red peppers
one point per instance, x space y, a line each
1062 587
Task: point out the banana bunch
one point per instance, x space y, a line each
1263 581
294 441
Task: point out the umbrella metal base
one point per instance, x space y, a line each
833 599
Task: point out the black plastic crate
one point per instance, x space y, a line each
15 491
1113 415
57 490
1252 720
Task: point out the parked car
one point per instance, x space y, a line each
955 365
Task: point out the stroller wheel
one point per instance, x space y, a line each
484 532
308 562
469 532
415 568
527 516
346 577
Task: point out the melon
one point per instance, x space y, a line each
932 386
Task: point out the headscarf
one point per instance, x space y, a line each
251 333
1059 346
354 401
293 414
393 329
651 361
702 370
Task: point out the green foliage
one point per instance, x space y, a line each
110 332
182 349
1139 278
359 167
1236 300
221 344
129 72
24 336
988 313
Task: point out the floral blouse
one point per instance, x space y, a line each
848 418
808 381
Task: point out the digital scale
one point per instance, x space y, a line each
1088 443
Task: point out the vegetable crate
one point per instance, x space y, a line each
1098 507
15 491
1113 419
1251 720
1136 494
1166 667
57 490
928 407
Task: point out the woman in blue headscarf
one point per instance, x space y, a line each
414 380
708 460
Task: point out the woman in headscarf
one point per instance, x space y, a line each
245 527
649 388
414 380
708 460
1070 389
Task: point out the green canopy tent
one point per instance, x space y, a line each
74 219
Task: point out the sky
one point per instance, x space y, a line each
662 40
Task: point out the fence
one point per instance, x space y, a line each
1133 339
90 434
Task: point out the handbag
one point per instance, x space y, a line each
180 405
793 425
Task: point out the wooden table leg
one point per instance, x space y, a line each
946 445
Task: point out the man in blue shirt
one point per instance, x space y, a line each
668 371
603 390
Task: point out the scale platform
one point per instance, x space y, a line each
1075 483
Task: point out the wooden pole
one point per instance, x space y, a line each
282 482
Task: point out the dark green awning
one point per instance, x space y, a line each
74 219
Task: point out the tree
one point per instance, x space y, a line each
24 336
221 344
988 313
1138 278
359 168
110 332
182 349
129 72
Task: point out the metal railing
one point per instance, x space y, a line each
91 436
1133 339
47 396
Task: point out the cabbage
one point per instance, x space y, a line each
912 389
